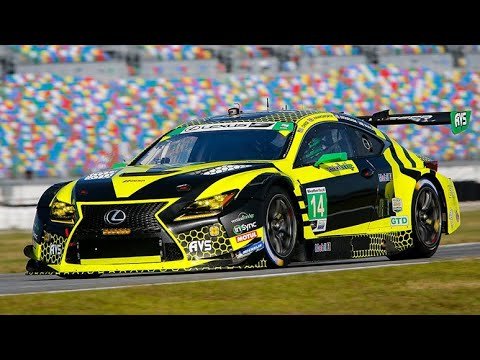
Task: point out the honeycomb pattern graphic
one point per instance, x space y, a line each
424 157
52 254
401 240
220 244
222 169
261 264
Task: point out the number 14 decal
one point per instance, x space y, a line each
320 209
317 208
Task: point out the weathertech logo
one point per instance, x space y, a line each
247 236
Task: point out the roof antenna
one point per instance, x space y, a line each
268 105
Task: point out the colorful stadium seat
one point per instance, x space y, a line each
63 126
46 54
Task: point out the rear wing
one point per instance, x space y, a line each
458 120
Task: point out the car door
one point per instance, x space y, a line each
337 194
368 154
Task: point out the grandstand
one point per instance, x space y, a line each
68 110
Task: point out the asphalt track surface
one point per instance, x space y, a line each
13 284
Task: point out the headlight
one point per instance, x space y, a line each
61 211
207 207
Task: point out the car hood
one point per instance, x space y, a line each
157 181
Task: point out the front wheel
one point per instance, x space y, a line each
280 227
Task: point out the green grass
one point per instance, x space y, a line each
13 260
11 251
447 287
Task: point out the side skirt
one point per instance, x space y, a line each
359 246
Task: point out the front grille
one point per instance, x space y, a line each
140 217
118 246
147 237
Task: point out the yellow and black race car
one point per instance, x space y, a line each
251 190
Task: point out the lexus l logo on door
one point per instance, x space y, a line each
114 217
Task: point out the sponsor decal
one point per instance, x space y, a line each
450 190
238 229
261 125
319 225
317 203
339 167
397 205
200 245
114 217
360 122
214 230
450 215
247 236
283 126
457 216
398 220
322 116
223 169
366 143
459 121
323 247
385 177
242 216
250 249
133 180
416 118
55 249
100 175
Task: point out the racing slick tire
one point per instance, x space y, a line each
426 222
281 227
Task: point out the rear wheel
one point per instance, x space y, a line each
426 222
280 227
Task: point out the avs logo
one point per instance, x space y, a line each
398 220
115 217
200 246
459 121
238 229
55 249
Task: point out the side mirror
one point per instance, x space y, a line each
119 165
328 158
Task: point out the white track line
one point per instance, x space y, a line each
461 244
239 277
221 279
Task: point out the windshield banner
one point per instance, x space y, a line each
278 126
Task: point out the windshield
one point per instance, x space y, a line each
209 146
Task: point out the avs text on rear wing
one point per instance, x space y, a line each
458 120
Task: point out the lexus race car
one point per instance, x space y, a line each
251 190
